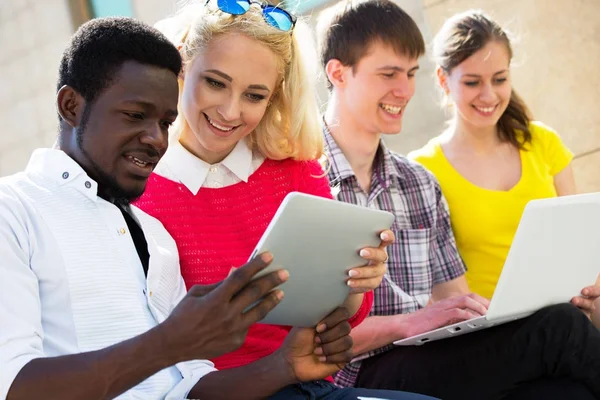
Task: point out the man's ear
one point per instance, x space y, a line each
442 79
70 105
336 72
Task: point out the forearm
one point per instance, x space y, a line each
353 303
98 374
455 287
257 380
379 331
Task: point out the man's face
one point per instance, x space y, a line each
123 133
378 89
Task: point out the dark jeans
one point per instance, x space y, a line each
553 354
550 389
324 390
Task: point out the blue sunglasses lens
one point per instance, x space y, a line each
234 7
278 18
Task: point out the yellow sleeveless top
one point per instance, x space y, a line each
485 221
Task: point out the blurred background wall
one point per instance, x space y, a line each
554 70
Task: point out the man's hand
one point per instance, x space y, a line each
596 314
445 312
316 353
587 301
210 320
368 277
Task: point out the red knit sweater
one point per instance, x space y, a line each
218 228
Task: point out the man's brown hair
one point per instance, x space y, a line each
346 30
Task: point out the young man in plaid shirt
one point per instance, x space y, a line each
370 53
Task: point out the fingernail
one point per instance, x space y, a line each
279 294
352 273
384 236
585 292
266 257
351 282
319 351
317 339
321 328
322 359
284 275
365 253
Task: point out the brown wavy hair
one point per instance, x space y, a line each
461 37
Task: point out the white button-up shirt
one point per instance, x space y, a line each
179 165
71 280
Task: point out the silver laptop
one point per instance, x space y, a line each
555 253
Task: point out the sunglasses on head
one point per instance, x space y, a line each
273 15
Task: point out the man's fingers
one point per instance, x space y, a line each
336 352
243 275
202 290
334 333
263 307
474 306
338 315
258 288
591 291
480 299
454 316
583 303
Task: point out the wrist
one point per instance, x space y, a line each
353 302
281 368
163 345
401 325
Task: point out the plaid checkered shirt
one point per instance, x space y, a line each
424 253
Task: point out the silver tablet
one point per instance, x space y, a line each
317 240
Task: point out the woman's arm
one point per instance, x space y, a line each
564 182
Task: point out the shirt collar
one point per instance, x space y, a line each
57 166
340 167
184 167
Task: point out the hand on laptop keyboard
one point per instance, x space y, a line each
445 312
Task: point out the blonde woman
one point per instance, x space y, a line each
247 135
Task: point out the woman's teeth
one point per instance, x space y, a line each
219 127
391 109
486 110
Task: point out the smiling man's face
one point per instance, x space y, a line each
123 133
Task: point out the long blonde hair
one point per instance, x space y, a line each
290 127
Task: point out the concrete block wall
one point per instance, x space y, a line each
554 70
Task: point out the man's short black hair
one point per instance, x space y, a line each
101 46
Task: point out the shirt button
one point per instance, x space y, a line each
65 175
88 184
213 169
122 231
150 294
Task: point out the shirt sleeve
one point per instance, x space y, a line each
446 260
21 335
556 154
363 311
313 180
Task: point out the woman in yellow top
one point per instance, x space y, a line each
493 159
